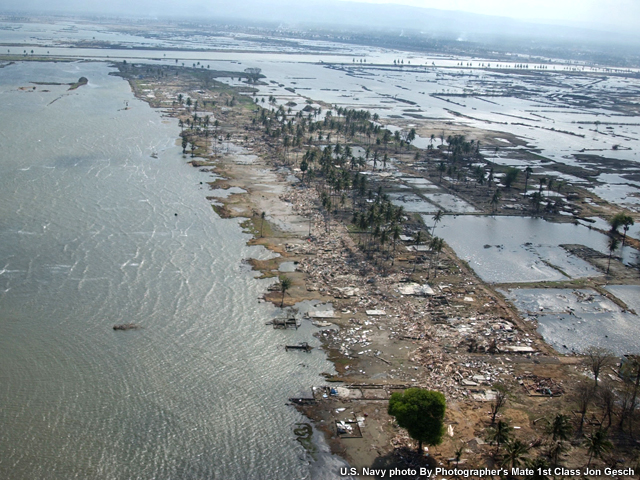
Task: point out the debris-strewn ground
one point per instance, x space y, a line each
401 317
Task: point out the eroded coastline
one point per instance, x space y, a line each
462 340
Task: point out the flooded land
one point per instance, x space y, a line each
299 226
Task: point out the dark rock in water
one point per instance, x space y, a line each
126 326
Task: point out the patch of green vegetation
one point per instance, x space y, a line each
81 81
248 226
304 435
222 211
555 267
30 58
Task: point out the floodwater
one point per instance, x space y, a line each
90 238
550 117
518 249
95 232
573 320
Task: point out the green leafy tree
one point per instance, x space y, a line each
621 220
285 284
421 413
510 177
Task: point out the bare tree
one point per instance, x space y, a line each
606 399
253 74
584 395
626 405
597 358
498 402
630 370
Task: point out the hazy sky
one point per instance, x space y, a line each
625 13
608 15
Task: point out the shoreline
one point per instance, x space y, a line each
411 343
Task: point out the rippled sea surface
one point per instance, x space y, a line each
95 232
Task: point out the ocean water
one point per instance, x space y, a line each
95 232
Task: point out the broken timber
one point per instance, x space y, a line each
304 346
284 323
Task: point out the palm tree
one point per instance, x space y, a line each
285 284
495 200
396 235
597 445
560 428
262 215
436 218
556 449
536 199
499 435
537 467
543 181
436 244
612 245
625 226
527 173
418 241
441 169
621 220
550 185
515 452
